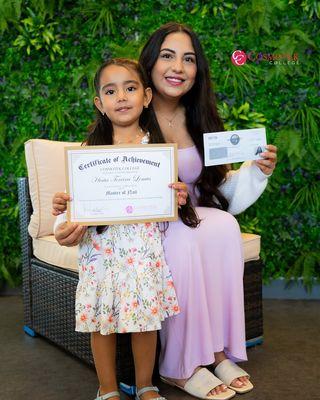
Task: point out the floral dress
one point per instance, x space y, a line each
124 284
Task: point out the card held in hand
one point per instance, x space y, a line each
234 146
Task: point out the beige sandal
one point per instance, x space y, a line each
227 371
200 384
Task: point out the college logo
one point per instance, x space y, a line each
238 57
235 139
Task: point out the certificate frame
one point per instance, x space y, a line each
167 170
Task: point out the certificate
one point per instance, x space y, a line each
234 146
122 184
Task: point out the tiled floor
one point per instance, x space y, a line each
285 367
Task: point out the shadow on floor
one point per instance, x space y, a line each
285 367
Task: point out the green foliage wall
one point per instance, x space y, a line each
50 49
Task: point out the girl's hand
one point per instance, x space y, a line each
68 234
182 192
268 164
59 203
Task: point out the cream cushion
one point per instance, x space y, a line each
46 173
251 246
47 249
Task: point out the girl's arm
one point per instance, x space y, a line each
66 233
182 192
59 203
243 186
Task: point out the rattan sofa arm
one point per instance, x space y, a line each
25 210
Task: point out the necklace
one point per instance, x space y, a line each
169 120
144 138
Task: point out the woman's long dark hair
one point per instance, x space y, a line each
101 130
201 110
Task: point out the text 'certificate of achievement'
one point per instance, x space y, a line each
122 184
234 146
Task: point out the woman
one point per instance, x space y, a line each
206 262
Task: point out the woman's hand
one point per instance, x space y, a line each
68 234
182 192
268 164
59 203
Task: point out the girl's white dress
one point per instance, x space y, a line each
124 284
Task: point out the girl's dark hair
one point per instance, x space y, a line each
201 110
101 130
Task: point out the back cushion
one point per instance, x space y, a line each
46 172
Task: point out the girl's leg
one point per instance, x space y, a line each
144 353
104 354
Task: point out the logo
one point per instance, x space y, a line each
238 57
235 139
258 151
129 209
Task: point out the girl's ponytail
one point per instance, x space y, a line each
100 131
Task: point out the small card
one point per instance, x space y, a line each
234 146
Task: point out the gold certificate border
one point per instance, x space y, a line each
125 146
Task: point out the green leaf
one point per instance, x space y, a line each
245 107
308 196
244 117
3 129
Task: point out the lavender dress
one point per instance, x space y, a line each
207 269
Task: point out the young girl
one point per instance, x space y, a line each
124 282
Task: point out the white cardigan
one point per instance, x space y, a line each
243 187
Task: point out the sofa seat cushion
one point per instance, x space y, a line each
251 246
48 250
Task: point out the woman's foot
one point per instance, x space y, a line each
240 382
181 382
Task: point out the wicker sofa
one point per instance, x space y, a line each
49 294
